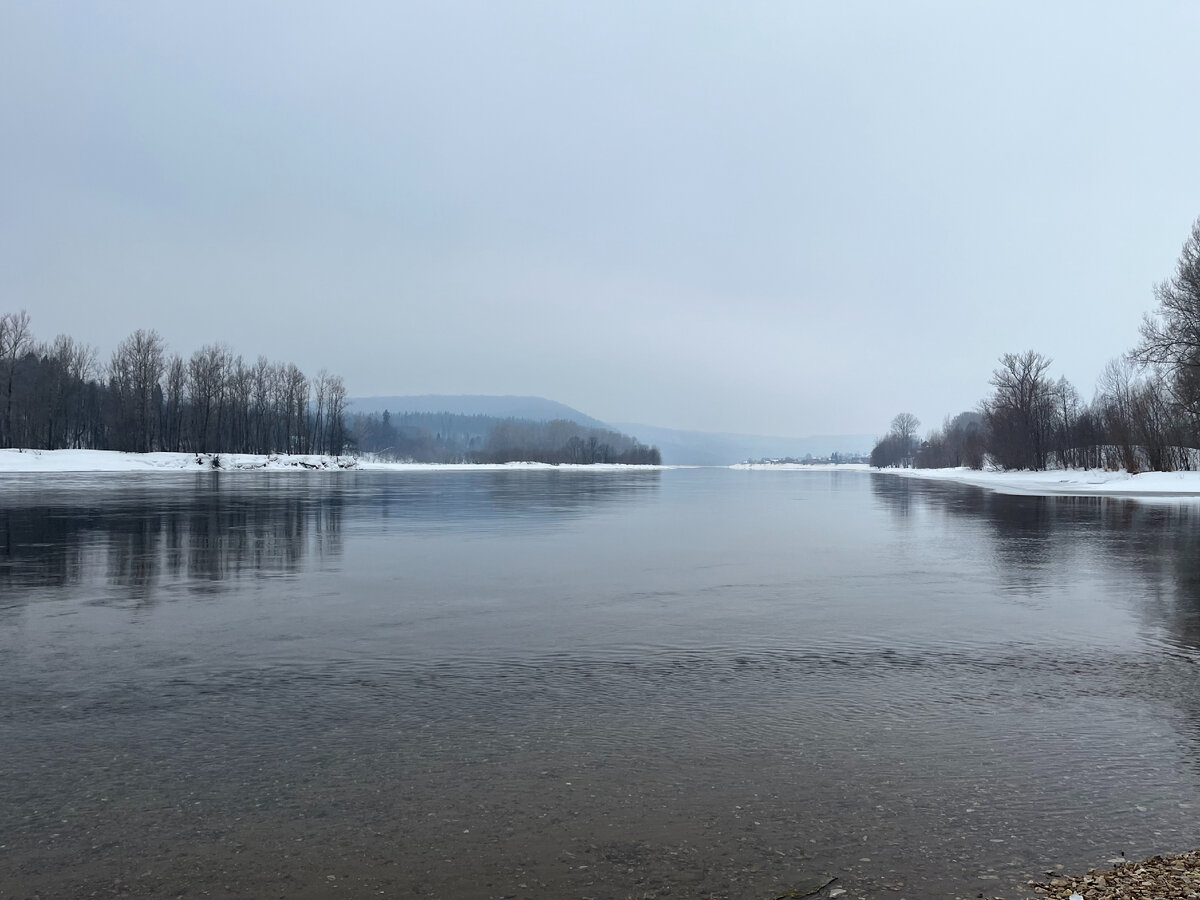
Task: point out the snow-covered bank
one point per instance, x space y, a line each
1074 482
1077 482
507 467
803 467
114 461
26 461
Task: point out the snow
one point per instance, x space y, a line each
115 461
506 467
33 461
803 467
1072 482
1076 482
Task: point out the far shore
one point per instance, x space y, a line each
1059 482
27 461
1054 482
1070 482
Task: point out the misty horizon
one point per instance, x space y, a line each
776 220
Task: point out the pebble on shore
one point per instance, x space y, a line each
1156 878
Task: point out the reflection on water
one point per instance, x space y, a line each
205 530
1149 546
1141 554
534 500
198 531
689 683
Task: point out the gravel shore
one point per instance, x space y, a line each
1156 878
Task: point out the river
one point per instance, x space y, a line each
680 683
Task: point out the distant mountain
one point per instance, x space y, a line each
701 448
536 409
679 448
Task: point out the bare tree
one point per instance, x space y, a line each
320 389
1171 334
899 445
262 377
335 414
175 402
1116 388
65 367
1066 411
964 440
16 340
135 376
296 392
207 388
1019 415
905 426
78 363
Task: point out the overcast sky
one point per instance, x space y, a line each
786 218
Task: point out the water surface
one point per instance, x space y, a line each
587 684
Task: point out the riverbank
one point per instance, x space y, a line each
1159 876
1071 482
34 461
802 467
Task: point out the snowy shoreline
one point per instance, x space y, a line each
1068 482
1056 482
22 461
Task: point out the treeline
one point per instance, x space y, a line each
447 437
1144 415
58 395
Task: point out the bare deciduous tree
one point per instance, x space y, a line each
1019 415
135 376
1171 334
16 339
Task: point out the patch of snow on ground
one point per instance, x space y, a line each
26 461
803 467
115 461
1074 482
1079 482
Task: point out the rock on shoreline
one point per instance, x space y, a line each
1156 878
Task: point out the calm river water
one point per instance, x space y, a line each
689 683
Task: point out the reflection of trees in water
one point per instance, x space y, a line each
1153 544
1027 534
894 492
38 547
536 498
205 532
211 529
227 536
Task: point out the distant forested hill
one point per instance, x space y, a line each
453 437
534 409
438 426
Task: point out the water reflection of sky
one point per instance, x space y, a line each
1122 559
934 667
1143 554
205 529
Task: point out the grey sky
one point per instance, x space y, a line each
785 218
